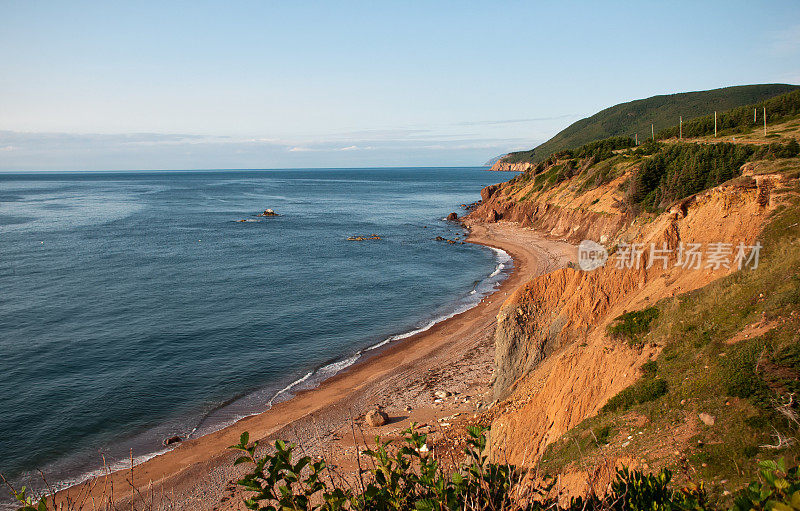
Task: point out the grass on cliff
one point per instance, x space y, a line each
631 325
731 351
636 117
659 174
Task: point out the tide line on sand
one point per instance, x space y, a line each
317 376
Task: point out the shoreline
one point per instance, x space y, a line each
198 468
317 376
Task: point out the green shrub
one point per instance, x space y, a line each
643 391
603 434
739 367
405 478
649 368
676 171
647 148
408 478
778 490
631 325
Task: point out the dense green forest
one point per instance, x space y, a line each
675 171
666 172
598 150
636 117
741 119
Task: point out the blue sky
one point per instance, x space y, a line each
265 84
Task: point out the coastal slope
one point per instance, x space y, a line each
454 356
647 362
641 117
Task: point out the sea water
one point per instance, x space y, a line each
136 306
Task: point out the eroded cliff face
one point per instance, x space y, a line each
512 167
562 212
555 364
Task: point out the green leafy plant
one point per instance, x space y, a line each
778 489
30 503
408 477
404 477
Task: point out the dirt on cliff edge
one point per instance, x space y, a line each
555 363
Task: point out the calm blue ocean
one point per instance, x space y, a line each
134 306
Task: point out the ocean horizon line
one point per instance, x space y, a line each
111 171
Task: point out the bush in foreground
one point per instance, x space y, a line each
409 478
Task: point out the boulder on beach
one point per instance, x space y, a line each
376 417
172 440
452 217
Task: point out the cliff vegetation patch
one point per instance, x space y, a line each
633 325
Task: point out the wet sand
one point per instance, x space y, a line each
455 355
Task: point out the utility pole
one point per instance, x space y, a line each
680 129
652 132
637 139
765 121
715 124
755 117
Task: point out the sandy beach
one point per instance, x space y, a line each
455 355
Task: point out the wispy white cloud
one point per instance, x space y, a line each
27 150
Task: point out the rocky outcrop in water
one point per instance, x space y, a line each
370 237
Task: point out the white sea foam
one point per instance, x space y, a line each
503 259
313 378
289 387
316 377
497 270
86 476
336 367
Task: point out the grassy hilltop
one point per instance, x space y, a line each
627 119
709 422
